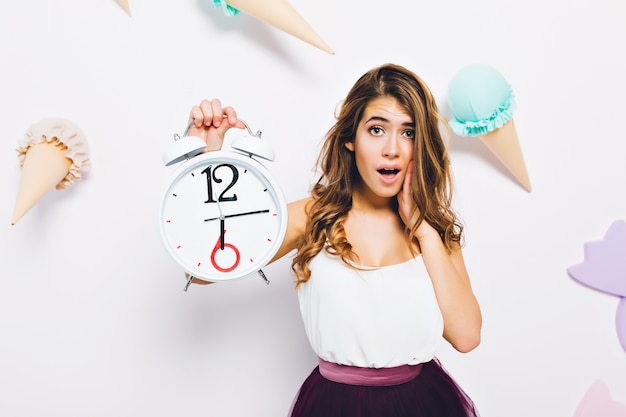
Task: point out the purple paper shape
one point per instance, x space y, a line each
620 321
604 269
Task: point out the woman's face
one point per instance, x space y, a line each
383 147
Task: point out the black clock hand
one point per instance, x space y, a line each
222 225
222 231
238 214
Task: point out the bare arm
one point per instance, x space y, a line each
295 227
461 313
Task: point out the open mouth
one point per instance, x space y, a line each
388 175
388 171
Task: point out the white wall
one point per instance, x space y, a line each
93 317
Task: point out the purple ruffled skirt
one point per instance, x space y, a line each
424 390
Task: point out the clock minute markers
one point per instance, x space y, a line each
237 215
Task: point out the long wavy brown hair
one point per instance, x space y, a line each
332 193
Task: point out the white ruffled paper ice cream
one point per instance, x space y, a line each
482 104
52 154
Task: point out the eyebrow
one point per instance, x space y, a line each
382 119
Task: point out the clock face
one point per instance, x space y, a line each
222 216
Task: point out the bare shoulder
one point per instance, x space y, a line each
296 225
298 212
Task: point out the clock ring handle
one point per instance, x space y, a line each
256 135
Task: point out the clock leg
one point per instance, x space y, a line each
189 282
267 281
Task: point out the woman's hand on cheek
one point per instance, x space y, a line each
406 206
409 212
211 121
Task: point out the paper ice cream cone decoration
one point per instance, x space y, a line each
280 14
504 144
45 165
125 6
482 105
52 155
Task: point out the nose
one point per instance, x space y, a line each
390 147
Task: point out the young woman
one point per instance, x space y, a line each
379 270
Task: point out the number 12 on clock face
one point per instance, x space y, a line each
223 216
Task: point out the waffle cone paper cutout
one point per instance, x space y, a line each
45 165
280 14
482 104
125 6
504 144
52 155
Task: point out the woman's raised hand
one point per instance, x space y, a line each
407 209
211 121
406 205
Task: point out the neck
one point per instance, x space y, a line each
372 203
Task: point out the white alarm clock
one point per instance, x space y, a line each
223 215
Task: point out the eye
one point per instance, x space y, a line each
376 130
409 134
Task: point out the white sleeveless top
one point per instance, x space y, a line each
376 318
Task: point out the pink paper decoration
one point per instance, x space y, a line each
604 269
597 402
